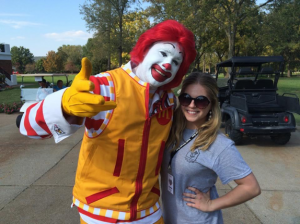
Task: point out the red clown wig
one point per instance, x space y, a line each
169 30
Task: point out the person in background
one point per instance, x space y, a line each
59 86
42 91
197 153
127 113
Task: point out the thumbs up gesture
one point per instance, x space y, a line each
78 101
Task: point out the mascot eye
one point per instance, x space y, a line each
163 54
175 62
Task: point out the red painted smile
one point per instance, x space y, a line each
159 74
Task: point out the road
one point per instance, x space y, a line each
36 179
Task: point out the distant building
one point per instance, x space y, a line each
5 61
38 58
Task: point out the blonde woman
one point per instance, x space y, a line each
197 154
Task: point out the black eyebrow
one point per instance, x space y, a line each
171 44
173 47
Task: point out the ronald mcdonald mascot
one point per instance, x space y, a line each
127 113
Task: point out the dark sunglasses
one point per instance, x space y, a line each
200 101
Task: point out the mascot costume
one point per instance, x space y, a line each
127 113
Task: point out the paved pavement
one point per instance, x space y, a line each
36 179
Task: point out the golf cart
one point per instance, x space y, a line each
250 103
28 95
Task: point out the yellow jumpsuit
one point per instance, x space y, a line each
117 174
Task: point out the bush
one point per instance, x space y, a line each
2 78
10 108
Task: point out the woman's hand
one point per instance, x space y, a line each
198 200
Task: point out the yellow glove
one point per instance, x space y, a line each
78 101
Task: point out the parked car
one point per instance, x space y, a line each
250 104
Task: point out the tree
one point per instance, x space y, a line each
134 24
53 62
106 17
229 15
39 65
95 51
71 67
71 53
20 57
282 31
30 68
191 14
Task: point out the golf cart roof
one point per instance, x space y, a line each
44 74
248 61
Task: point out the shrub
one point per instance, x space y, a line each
10 108
2 78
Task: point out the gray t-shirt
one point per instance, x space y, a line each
199 169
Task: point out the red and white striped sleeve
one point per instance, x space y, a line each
45 119
104 86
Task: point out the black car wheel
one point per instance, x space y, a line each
235 135
18 120
281 139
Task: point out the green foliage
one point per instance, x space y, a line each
20 57
2 78
30 68
39 65
10 108
53 62
106 17
282 31
71 54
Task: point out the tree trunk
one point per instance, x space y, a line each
231 38
231 49
121 39
203 68
109 40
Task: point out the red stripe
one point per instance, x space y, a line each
91 123
160 156
30 131
40 120
106 98
97 217
100 195
155 191
141 171
96 82
103 80
119 162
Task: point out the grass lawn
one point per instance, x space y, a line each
290 85
13 95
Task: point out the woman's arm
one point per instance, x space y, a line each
246 189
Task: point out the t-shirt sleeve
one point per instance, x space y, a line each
229 165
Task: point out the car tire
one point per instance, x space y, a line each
235 135
281 139
18 120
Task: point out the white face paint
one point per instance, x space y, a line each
160 64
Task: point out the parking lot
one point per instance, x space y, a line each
36 179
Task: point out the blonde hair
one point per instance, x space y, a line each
207 131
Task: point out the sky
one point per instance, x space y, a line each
43 25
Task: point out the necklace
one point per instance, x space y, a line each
173 153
